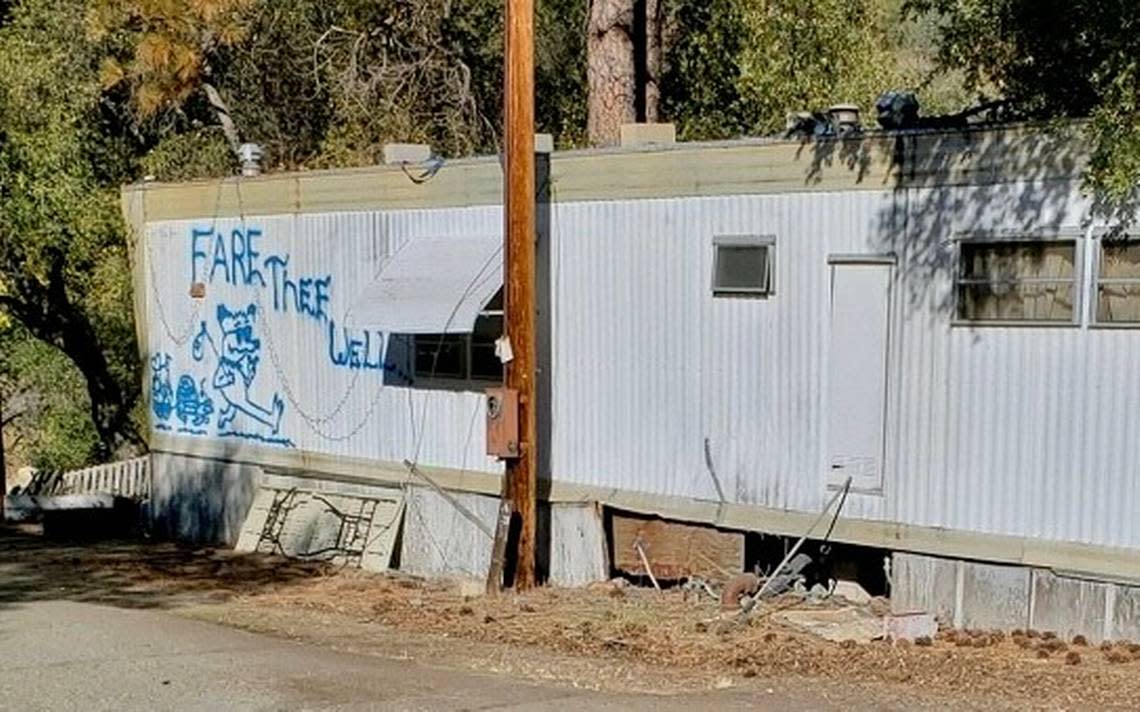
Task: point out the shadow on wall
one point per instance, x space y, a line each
940 193
200 500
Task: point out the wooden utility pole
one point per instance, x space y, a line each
521 486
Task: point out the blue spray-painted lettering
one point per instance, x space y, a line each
356 351
161 390
322 295
220 259
195 253
305 295
251 255
236 258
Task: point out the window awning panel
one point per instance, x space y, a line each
432 285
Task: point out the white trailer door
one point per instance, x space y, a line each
857 372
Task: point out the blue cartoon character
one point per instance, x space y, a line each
238 355
161 392
191 403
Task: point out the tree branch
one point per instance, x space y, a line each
222 111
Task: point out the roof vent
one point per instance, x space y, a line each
250 156
844 118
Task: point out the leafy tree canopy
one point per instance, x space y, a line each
1055 59
64 274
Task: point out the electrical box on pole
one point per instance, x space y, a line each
503 423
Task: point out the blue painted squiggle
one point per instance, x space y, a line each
285 442
161 392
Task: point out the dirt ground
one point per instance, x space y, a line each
605 638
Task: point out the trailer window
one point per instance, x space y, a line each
743 265
1017 281
1118 282
462 360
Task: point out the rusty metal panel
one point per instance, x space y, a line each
503 423
674 549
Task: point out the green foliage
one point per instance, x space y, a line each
737 67
700 86
1114 167
1051 59
560 70
278 92
170 44
64 272
423 72
43 406
811 55
327 84
913 39
186 156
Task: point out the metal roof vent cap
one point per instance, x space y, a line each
845 119
250 156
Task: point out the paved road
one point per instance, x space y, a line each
63 655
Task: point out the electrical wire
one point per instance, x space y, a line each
419 433
314 422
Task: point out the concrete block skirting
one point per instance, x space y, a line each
968 594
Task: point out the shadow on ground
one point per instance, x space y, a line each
135 573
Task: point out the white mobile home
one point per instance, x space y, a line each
730 331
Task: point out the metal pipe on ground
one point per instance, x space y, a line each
841 493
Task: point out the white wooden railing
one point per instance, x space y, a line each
126 478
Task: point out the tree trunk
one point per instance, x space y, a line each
77 338
651 75
623 55
50 316
109 410
610 71
222 111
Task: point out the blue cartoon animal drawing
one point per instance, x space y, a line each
238 355
191 403
161 392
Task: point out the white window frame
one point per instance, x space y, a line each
1022 237
768 242
1096 281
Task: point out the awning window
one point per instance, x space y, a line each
432 285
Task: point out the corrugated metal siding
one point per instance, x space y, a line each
326 409
1024 431
649 364
1021 431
